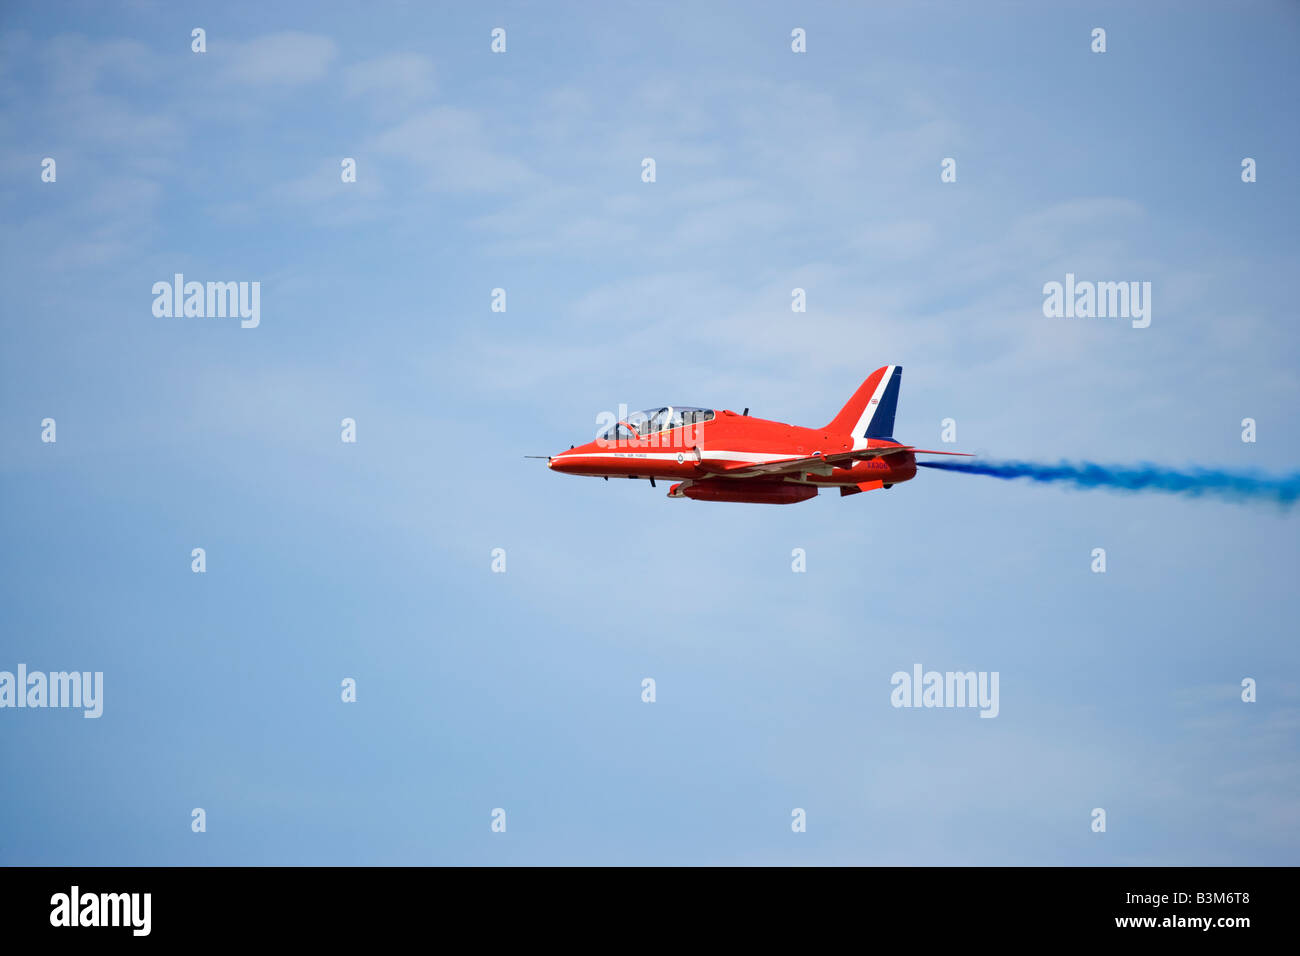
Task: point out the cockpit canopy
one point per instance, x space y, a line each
652 420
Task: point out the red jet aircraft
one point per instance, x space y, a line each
722 456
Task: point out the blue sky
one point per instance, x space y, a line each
522 690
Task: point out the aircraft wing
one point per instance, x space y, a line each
800 464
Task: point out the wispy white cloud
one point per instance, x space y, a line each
276 60
395 79
451 149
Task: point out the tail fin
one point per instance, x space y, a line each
870 412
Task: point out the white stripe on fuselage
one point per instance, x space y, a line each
739 456
751 457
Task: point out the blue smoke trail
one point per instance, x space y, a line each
1229 485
